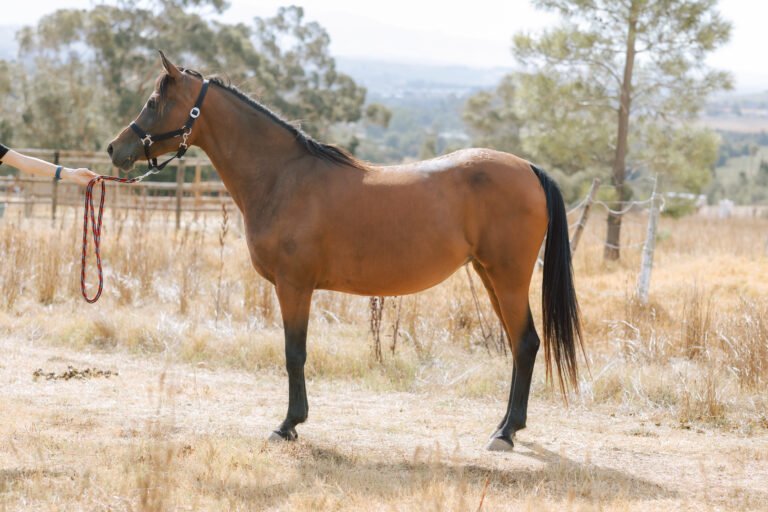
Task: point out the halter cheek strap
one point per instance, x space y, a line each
184 132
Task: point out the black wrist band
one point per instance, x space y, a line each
57 177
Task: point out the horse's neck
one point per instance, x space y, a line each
247 148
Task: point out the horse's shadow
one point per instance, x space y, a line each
557 478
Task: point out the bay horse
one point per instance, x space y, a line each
318 218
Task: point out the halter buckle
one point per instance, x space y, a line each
194 113
147 141
184 137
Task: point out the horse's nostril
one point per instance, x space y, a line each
110 150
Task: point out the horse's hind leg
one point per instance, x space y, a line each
495 303
524 353
510 301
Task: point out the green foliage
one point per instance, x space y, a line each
8 102
742 175
734 144
678 207
299 76
492 118
64 116
428 147
644 58
92 69
683 155
378 114
412 119
559 134
762 174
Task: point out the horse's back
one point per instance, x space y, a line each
491 189
480 173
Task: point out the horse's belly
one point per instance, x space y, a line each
394 270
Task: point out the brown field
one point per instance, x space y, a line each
672 414
741 124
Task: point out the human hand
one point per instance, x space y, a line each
79 176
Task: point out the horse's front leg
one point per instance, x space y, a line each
294 305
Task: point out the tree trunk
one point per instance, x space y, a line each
613 236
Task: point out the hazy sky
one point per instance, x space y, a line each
475 33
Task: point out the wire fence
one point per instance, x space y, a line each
615 208
653 206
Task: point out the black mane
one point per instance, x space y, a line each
328 152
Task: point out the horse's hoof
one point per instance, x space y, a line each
278 436
500 444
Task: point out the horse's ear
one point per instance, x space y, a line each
169 67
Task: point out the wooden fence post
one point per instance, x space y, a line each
179 190
118 190
55 190
644 279
27 195
198 179
584 214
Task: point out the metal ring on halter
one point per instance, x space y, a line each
184 131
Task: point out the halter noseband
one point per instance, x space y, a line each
184 132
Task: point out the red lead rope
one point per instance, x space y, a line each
96 227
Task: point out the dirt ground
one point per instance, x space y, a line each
160 436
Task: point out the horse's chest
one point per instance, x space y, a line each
263 254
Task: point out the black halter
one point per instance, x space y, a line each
147 139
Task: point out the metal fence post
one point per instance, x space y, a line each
644 279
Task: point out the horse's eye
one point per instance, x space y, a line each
152 104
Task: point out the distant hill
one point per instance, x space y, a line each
381 78
737 112
387 79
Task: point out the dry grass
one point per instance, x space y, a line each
694 359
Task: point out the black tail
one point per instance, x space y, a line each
560 310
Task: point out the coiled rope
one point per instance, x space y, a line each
96 227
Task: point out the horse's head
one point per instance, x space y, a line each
164 125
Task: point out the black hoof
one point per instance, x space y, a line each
280 435
500 443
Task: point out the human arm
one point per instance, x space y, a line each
39 167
